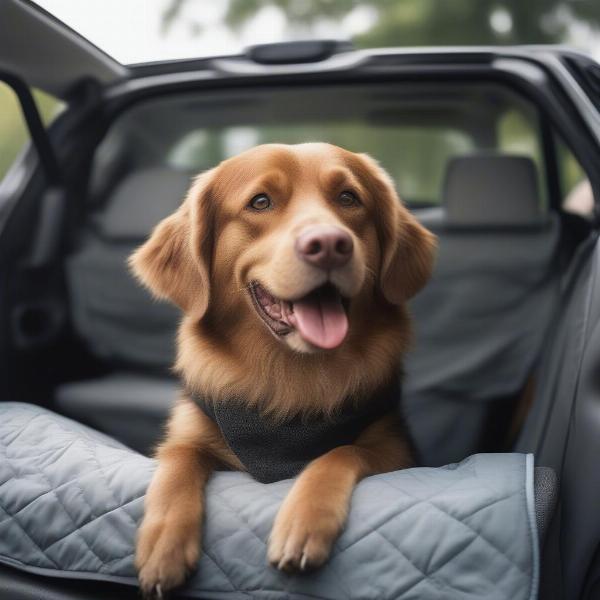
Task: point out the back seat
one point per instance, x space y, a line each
118 319
479 323
116 316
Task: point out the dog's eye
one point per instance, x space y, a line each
260 202
347 198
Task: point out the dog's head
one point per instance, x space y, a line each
292 239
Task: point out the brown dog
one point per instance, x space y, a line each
292 266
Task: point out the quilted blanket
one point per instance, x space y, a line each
71 499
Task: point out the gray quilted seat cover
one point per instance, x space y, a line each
71 498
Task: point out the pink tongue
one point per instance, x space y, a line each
321 319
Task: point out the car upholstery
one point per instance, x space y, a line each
72 499
481 321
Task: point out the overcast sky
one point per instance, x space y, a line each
131 30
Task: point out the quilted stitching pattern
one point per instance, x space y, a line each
71 498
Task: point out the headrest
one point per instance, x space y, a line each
491 190
140 201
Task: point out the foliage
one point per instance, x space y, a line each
13 129
428 22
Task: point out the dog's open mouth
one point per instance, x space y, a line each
319 317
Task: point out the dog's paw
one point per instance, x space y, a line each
302 537
166 552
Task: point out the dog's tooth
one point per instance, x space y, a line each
303 562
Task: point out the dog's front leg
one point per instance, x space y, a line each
168 543
314 512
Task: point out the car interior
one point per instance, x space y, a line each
506 331
498 268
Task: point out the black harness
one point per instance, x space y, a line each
272 451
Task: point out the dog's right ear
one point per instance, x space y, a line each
408 249
174 262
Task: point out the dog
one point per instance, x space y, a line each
292 266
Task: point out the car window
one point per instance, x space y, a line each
518 133
575 189
413 131
415 157
14 133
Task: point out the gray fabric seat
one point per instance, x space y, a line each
132 407
481 321
112 313
118 319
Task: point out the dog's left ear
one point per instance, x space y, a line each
174 262
408 249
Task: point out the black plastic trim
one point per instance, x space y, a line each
301 51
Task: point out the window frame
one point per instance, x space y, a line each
517 100
37 131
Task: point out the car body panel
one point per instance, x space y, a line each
33 43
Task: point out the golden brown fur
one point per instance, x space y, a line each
203 258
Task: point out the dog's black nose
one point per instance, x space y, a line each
324 246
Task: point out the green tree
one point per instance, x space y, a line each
14 133
428 22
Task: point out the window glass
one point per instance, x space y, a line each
48 106
414 130
518 133
415 157
14 133
575 189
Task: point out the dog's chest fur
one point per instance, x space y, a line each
271 451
